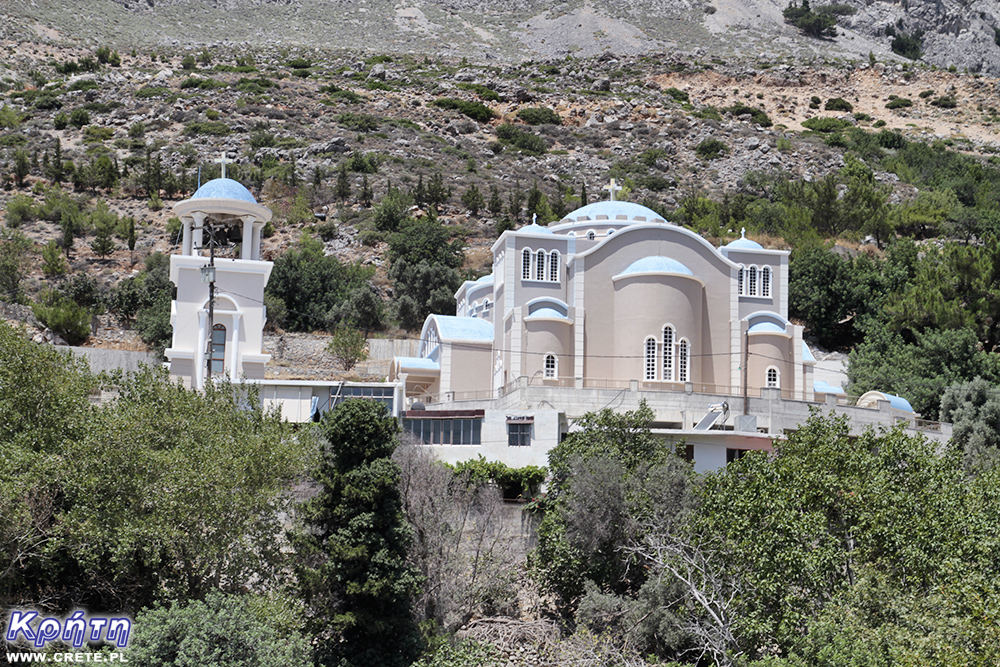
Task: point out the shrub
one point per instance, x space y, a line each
215 128
362 163
255 86
539 116
908 46
477 111
945 102
359 122
299 63
838 104
20 209
94 134
526 142
890 139
63 316
513 482
925 94
878 123
814 102
151 91
9 118
479 89
708 113
824 124
204 84
710 149
188 62
758 115
79 118
47 100
678 95
83 84
899 103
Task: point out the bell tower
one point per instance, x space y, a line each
218 315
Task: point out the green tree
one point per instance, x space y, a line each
22 166
311 284
66 318
437 192
343 187
473 200
222 631
496 202
348 346
104 242
392 210
973 409
15 258
53 262
352 567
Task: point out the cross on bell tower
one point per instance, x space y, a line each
223 161
613 187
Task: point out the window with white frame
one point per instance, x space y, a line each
668 353
650 356
486 307
765 281
218 349
551 366
540 265
753 281
591 235
683 353
554 266
739 281
526 264
773 379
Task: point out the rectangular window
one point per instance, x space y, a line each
445 431
519 435
383 395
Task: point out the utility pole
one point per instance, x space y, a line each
746 371
208 276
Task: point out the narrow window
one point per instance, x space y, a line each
540 266
526 264
218 349
765 281
682 361
650 358
753 281
668 353
772 378
739 281
591 235
550 366
554 266
486 307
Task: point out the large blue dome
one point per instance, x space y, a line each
614 209
224 188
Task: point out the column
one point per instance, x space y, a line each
199 226
255 245
246 247
234 354
186 242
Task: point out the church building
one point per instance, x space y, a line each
608 307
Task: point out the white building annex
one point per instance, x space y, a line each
608 307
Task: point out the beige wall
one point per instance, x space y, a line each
765 350
471 368
546 336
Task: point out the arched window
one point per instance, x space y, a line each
554 266
773 380
591 235
753 281
218 349
668 353
540 265
765 281
610 232
683 352
525 264
739 281
551 366
650 358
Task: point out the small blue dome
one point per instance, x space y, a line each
613 209
744 244
224 188
656 264
535 229
766 327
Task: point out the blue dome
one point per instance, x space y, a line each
744 244
613 209
655 264
536 229
766 327
224 188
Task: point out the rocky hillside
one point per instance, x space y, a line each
291 117
954 32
